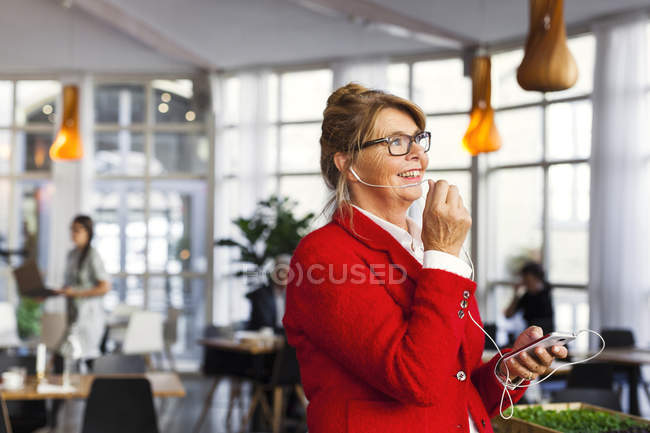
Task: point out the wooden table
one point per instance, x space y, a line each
239 359
630 361
249 347
163 384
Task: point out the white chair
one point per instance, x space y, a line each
117 319
171 334
8 326
144 334
53 327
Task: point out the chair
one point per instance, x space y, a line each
5 424
116 328
623 338
25 416
285 377
53 327
8 326
144 334
115 364
170 334
591 375
123 405
618 337
491 329
598 397
221 365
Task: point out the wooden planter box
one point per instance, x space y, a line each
515 425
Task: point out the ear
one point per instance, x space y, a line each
340 160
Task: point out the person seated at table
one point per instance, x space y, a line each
535 298
267 302
85 284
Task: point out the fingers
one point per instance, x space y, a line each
559 352
453 196
543 356
533 365
440 190
516 369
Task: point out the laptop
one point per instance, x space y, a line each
29 281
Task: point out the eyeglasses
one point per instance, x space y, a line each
399 145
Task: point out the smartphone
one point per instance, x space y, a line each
547 341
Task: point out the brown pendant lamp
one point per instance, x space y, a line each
482 135
67 144
548 65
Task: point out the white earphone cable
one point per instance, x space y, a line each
512 386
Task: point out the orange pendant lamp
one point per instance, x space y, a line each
482 135
67 144
548 65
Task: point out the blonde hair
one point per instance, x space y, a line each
349 121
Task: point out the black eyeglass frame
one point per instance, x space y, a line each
412 138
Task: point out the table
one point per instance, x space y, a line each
249 347
629 360
229 357
163 384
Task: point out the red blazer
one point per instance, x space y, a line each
383 344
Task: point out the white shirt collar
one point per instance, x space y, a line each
411 240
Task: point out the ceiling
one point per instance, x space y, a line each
174 35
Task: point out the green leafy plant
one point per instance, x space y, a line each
28 316
580 420
273 229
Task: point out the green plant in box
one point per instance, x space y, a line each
579 420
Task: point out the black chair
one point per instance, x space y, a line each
285 377
622 338
5 424
491 329
234 366
25 416
598 397
116 364
591 375
123 405
618 337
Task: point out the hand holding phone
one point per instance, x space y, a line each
547 341
535 357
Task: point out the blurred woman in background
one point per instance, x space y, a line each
85 284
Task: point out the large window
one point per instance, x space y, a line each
284 133
538 185
27 120
152 159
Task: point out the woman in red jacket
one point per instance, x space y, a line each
377 308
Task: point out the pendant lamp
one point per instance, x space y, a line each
548 65
482 135
67 144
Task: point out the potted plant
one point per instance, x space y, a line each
28 316
273 229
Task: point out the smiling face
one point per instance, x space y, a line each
375 165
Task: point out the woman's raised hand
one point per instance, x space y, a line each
445 220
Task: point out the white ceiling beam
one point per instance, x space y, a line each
141 30
391 21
